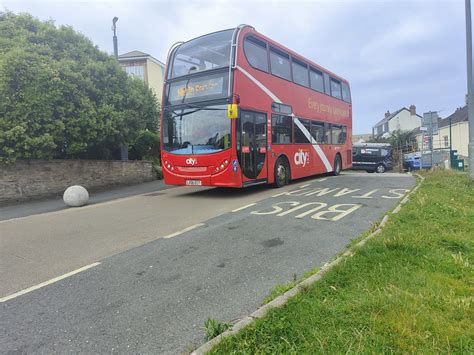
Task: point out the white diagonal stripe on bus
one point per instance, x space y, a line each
260 85
316 147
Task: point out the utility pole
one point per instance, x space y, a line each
450 144
114 28
431 138
470 89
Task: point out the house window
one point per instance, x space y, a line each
379 129
446 141
136 71
385 127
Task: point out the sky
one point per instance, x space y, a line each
393 53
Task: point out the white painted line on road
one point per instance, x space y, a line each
244 207
184 230
323 179
46 283
305 185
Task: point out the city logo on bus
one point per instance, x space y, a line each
191 161
301 157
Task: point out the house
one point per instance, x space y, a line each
459 133
401 120
145 67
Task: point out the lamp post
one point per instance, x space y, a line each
470 89
123 147
114 28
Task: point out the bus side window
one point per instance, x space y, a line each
281 129
280 63
338 134
256 53
300 137
327 87
343 135
327 133
346 93
336 90
317 132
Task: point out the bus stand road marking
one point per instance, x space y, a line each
46 283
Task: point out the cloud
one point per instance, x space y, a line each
394 53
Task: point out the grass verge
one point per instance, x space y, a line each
214 328
410 289
280 289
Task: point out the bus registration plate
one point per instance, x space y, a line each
193 182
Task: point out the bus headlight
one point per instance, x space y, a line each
222 166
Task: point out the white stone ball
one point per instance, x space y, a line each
76 196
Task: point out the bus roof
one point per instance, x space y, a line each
274 44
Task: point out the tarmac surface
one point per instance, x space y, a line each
184 255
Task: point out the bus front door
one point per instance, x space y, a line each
252 145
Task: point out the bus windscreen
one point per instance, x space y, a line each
203 53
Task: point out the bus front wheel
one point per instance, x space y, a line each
337 165
282 173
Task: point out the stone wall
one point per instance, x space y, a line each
33 179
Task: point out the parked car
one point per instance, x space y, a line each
372 157
411 162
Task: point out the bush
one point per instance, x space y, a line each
147 143
61 97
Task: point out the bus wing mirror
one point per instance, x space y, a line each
232 111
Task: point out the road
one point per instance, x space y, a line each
153 287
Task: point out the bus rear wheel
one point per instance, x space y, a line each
337 165
282 173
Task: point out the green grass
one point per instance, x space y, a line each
214 328
408 290
280 289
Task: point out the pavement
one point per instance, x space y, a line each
164 262
23 209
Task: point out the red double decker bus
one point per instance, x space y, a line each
240 109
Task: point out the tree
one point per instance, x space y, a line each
401 140
61 97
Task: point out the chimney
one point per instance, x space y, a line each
413 110
387 113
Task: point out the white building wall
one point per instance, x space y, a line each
404 121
